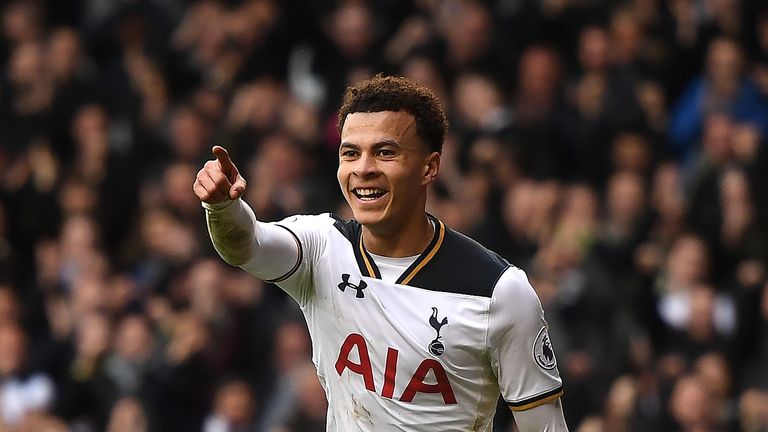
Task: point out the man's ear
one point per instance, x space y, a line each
431 168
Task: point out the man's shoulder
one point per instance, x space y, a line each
308 220
311 228
462 266
349 228
471 250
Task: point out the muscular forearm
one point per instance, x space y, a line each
263 249
232 227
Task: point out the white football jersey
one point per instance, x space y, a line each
431 351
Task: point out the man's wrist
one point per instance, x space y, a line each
217 206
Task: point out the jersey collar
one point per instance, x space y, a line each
368 265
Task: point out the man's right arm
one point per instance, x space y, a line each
267 251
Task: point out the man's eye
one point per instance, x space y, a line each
348 153
386 153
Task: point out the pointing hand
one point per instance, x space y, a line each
219 179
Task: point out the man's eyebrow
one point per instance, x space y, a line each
387 142
378 144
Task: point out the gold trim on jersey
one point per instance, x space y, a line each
429 255
368 265
538 402
364 254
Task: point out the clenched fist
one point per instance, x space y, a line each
219 180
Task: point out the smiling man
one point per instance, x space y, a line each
415 327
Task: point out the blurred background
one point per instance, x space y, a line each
615 150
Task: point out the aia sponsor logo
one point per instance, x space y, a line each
438 383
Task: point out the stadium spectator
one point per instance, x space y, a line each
23 392
724 88
233 409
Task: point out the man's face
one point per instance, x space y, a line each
384 169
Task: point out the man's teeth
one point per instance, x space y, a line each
365 192
369 193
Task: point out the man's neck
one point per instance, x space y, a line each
409 240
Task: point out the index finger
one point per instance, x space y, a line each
227 166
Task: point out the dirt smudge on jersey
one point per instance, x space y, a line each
360 412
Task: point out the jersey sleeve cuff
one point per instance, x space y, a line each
538 400
217 206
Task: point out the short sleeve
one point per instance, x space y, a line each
521 353
310 233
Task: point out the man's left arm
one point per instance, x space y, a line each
543 418
522 356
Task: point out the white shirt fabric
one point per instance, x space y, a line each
392 268
402 357
19 396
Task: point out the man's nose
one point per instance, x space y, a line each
366 166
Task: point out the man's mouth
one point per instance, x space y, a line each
368 194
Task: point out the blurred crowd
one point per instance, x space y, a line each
615 150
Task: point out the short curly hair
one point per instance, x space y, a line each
393 93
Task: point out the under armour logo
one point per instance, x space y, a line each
436 347
345 284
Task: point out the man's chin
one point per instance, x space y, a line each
367 217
